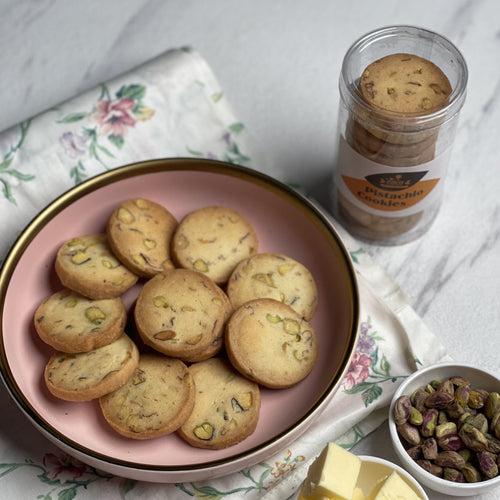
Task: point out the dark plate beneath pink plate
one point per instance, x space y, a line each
284 222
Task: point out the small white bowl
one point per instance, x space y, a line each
373 469
478 378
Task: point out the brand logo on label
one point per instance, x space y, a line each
395 182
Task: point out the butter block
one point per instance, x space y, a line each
332 475
393 488
358 494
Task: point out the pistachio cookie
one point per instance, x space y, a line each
139 233
156 401
72 323
274 276
405 83
226 406
181 313
87 266
213 241
268 342
90 375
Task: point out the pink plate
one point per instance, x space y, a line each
284 221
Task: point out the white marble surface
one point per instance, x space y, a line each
279 64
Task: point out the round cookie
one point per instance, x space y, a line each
139 233
72 323
182 313
360 135
268 342
226 406
156 401
87 266
90 375
405 83
213 241
274 276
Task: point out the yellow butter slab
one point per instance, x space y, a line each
332 475
393 488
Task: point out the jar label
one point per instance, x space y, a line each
385 190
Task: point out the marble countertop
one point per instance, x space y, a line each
279 66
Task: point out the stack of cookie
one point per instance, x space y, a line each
183 317
397 90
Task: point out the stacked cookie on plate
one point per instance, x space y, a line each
184 316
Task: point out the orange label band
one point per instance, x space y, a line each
388 199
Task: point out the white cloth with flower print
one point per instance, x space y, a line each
173 106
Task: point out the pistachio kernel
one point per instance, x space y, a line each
266 279
166 335
285 268
160 301
187 309
149 244
273 318
71 302
195 340
291 326
300 356
95 315
124 215
74 242
200 265
139 259
109 263
142 204
80 258
246 400
204 431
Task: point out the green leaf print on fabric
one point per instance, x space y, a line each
368 370
103 128
134 91
351 438
236 128
355 255
72 117
117 140
78 173
10 177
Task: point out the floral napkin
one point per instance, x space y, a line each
173 106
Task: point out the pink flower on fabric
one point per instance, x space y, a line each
358 370
115 117
63 468
74 144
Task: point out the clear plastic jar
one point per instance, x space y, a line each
389 178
